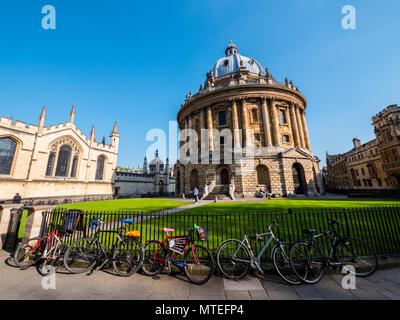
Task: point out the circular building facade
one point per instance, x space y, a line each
252 134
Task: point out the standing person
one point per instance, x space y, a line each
196 194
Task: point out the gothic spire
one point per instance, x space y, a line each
72 114
115 131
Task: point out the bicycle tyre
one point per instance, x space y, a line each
33 255
205 265
346 246
135 250
301 267
282 264
88 254
225 263
153 266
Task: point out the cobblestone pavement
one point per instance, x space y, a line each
27 284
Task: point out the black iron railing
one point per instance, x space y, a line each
380 227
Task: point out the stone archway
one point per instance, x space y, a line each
299 179
223 175
263 177
178 182
194 179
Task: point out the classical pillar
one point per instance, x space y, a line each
235 126
306 137
245 123
210 128
266 122
295 128
202 125
275 121
300 125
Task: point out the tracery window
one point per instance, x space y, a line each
63 158
7 152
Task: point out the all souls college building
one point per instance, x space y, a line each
39 161
264 115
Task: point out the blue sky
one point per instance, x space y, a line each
134 62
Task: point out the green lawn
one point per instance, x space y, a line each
282 205
141 205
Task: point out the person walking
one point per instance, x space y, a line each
196 194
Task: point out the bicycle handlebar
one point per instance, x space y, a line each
94 222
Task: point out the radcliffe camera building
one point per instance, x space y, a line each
261 113
371 165
59 161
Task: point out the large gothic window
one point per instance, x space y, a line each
64 158
7 152
100 168
64 155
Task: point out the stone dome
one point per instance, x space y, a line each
233 62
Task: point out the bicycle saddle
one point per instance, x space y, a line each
168 230
127 220
309 231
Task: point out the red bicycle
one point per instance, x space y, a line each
198 262
49 250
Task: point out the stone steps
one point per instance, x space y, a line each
219 192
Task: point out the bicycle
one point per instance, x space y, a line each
308 261
197 264
87 254
235 257
48 250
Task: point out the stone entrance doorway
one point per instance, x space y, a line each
224 176
299 180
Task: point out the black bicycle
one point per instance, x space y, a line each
355 255
87 254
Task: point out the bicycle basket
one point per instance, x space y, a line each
178 244
203 233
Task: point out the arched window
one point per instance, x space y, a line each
7 152
64 158
100 168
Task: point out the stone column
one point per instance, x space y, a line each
300 125
266 122
306 137
210 128
245 123
202 125
235 126
275 121
295 128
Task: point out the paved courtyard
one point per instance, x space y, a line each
27 284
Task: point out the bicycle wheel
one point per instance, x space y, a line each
29 252
306 261
82 255
357 254
280 258
233 259
128 257
200 264
154 258
52 261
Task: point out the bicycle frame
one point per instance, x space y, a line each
165 244
247 245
